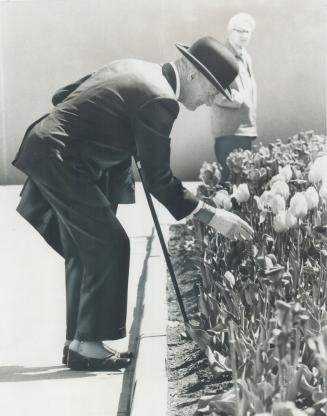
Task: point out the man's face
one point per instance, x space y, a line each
240 34
200 91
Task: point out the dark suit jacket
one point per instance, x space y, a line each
125 108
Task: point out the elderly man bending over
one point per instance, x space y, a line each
78 160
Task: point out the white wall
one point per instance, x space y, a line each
48 43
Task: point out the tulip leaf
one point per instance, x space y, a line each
199 336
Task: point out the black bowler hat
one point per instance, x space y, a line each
214 61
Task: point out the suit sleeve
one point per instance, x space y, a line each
152 126
60 95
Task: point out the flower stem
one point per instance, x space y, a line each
323 276
297 347
298 243
233 362
320 279
298 257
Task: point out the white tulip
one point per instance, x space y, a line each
279 222
323 192
276 178
277 204
230 278
299 205
222 200
281 188
291 221
286 172
318 170
312 197
266 198
241 193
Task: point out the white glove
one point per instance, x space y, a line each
224 222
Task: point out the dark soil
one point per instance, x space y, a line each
189 377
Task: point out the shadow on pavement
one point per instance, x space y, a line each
20 373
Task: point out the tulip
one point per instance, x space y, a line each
281 188
254 175
263 172
323 193
210 174
230 278
291 221
299 205
277 204
276 178
264 151
318 170
241 193
279 222
264 201
297 173
266 197
286 172
257 160
259 204
312 197
236 161
222 200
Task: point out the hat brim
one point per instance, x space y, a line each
184 50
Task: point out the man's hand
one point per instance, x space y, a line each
225 223
231 225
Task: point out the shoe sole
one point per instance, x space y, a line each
77 362
126 355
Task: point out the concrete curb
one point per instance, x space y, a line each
150 378
128 383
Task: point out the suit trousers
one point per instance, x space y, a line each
224 145
97 250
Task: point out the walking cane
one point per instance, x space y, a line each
162 242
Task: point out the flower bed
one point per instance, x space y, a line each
189 376
261 315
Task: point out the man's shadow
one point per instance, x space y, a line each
17 373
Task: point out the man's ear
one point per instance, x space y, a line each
192 75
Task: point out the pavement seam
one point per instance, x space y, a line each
143 336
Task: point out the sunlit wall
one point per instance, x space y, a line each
45 44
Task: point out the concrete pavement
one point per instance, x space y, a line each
32 324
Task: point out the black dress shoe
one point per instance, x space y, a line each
65 354
124 354
79 362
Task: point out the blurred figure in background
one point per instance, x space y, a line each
233 122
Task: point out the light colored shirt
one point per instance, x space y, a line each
237 118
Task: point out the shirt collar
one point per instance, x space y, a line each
178 81
238 53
